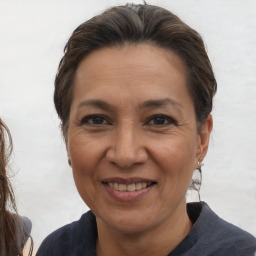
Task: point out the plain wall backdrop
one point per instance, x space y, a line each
32 37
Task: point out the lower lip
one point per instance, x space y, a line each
127 196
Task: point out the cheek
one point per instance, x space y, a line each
84 158
176 159
83 154
177 153
83 162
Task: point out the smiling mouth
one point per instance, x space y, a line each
129 187
128 190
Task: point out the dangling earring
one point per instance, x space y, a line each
200 164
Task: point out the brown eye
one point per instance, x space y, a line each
94 120
161 120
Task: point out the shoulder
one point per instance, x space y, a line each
71 238
234 240
220 237
25 226
18 228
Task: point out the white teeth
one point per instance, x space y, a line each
122 187
130 187
116 186
138 186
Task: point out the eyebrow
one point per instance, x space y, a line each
146 104
97 103
160 103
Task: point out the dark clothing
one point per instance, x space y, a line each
209 236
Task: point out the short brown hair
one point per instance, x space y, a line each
133 24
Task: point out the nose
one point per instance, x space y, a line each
127 149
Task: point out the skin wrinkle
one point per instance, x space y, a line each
167 105
147 104
129 147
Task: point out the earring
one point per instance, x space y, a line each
200 164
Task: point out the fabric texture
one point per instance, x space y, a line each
24 231
210 236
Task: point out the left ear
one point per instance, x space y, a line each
203 140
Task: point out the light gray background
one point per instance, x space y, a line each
32 37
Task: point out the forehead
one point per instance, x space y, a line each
143 55
142 69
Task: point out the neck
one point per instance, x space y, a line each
157 241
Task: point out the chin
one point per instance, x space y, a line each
128 226
128 221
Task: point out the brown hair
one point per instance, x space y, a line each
133 24
9 221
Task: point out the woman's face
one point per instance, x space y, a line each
132 139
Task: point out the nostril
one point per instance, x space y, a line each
124 161
126 149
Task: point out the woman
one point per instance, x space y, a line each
14 231
134 94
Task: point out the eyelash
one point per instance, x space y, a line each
86 120
170 121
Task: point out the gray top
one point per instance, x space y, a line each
210 236
24 231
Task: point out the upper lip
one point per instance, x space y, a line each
126 181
